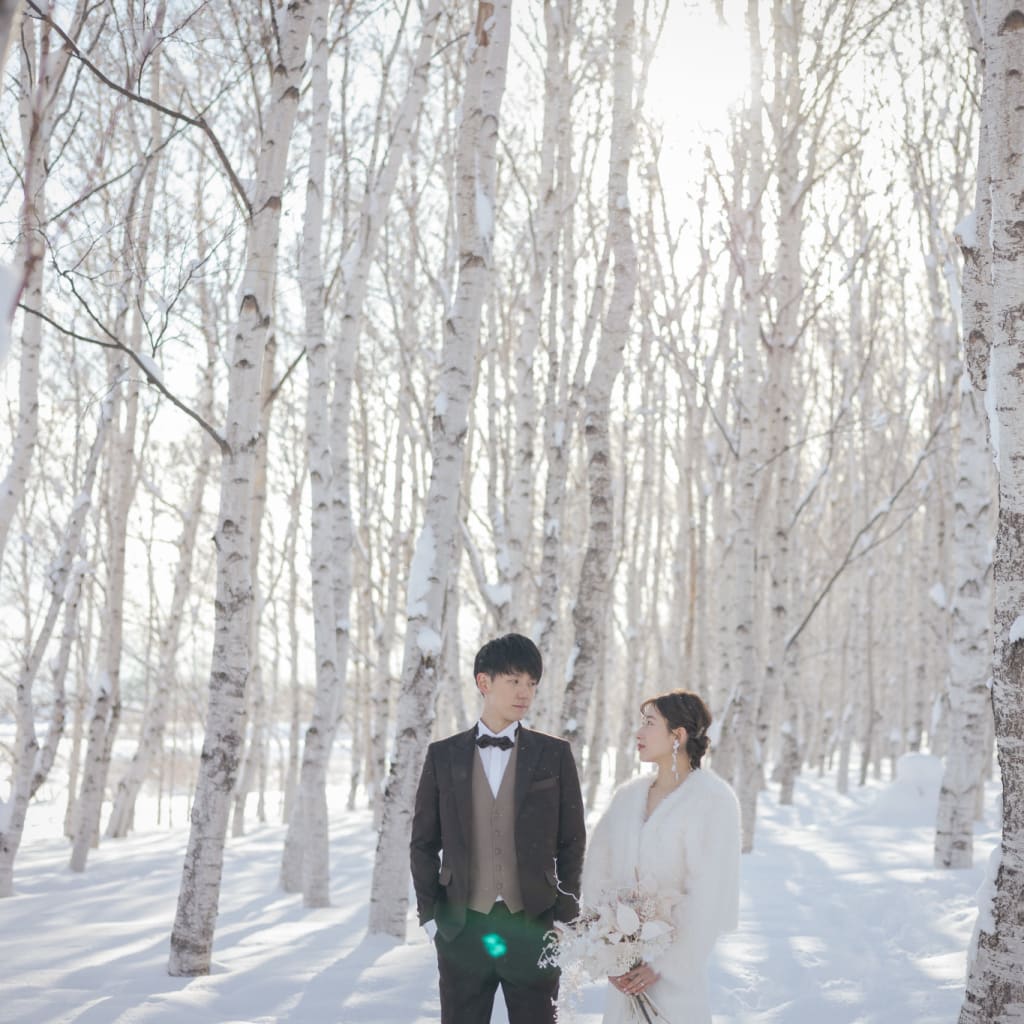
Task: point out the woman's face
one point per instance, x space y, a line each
654 738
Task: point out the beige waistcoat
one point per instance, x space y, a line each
493 867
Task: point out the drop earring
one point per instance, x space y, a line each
675 754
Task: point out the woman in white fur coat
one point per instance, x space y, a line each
678 834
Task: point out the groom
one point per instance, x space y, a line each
497 846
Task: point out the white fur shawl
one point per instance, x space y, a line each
690 845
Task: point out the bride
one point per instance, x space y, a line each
677 834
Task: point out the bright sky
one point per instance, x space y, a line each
699 71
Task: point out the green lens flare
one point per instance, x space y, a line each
495 945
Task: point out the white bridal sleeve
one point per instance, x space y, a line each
597 865
710 901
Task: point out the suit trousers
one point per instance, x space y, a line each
498 948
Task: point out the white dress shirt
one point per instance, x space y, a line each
494 759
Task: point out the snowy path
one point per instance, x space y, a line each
844 921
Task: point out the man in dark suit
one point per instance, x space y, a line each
497 846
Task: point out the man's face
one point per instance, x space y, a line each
507 697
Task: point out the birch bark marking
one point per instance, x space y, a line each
486 58
192 934
592 598
995 988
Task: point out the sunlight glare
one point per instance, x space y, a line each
698 74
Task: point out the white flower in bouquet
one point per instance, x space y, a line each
611 936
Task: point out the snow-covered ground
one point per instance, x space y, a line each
843 920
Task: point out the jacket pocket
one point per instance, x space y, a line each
542 784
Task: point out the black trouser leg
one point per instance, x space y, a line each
467 976
529 991
494 948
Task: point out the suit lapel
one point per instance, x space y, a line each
527 754
463 752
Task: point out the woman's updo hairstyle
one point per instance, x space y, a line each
681 708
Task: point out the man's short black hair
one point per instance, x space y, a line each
510 653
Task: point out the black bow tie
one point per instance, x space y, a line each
501 742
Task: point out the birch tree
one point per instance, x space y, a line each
304 864
970 603
589 614
44 65
564 378
995 991
486 57
742 761
10 15
192 934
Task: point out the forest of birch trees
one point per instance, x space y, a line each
339 336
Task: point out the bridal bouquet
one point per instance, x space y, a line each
626 928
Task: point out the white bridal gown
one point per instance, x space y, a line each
690 845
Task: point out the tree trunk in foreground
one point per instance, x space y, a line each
198 898
995 984
970 653
305 864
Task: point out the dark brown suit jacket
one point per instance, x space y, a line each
550 831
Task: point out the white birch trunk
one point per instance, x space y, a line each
970 652
590 611
640 616
545 229
198 898
783 401
41 75
487 54
291 775
305 864
10 17
563 388
403 494
739 727
995 986
254 751
84 661
970 602
59 670
105 713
